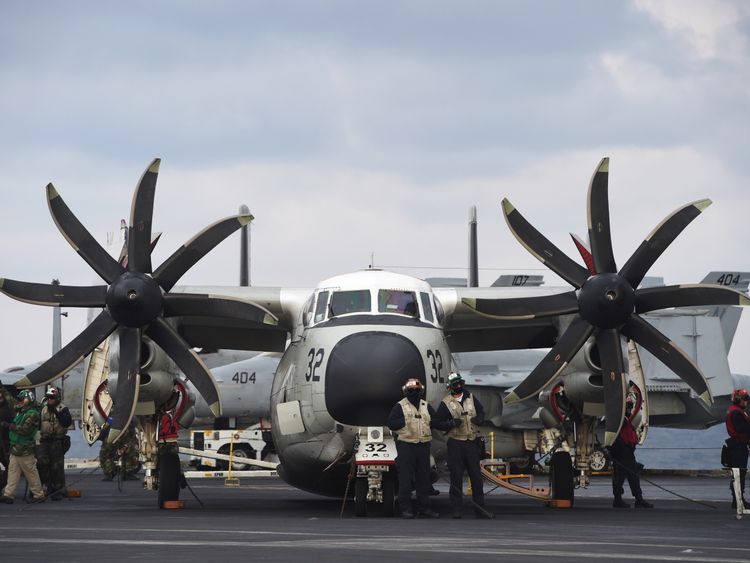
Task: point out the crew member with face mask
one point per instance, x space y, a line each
462 412
53 443
412 420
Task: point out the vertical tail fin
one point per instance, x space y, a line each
729 317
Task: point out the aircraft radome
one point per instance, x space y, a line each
349 344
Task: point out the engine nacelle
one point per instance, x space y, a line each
584 387
153 357
586 360
156 386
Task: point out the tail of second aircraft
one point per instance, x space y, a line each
728 316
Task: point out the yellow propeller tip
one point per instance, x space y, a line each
511 398
245 219
215 408
507 206
604 165
702 204
24 382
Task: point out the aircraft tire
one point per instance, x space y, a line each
169 478
360 496
238 451
561 477
599 461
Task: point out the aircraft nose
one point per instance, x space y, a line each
365 374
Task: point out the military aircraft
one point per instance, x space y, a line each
348 345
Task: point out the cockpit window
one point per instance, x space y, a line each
320 308
356 301
394 301
426 306
439 312
308 313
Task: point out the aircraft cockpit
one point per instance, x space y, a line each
330 303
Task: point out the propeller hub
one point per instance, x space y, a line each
606 300
134 299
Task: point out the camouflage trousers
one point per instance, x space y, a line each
110 460
50 461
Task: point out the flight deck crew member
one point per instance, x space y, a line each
53 443
463 412
624 465
412 419
738 428
6 415
22 433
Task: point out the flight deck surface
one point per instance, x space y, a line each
265 519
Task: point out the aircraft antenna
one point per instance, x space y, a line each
473 260
245 249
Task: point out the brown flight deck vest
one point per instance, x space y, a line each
416 430
50 427
465 412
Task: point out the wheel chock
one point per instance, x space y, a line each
560 503
173 504
233 482
73 493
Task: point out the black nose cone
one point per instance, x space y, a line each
365 374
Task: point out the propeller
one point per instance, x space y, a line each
135 302
606 302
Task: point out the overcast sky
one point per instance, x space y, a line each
358 128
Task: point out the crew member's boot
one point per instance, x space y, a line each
641 503
619 503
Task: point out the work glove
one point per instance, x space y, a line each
457 422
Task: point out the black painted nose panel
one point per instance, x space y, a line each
365 374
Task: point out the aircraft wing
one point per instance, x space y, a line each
284 307
469 331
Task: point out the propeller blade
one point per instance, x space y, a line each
54 295
192 304
613 379
669 354
554 362
659 239
80 239
693 295
542 249
72 353
600 235
524 308
188 361
141 214
128 382
196 248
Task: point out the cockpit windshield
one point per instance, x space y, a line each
355 301
395 301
